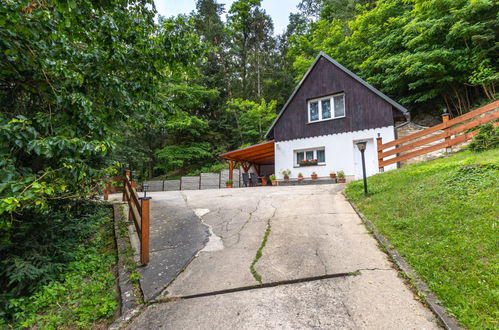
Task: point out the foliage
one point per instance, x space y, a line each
285 173
72 78
425 54
175 157
486 139
445 226
341 174
252 118
272 177
52 275
229 182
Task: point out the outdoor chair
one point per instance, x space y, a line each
246 179
254 179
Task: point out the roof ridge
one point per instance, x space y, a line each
344 69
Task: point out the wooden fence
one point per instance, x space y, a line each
138 211
111 186
454 132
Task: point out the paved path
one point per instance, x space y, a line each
312 232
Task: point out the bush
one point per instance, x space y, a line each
486 139
50 258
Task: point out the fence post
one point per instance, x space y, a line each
379 143
107 190
445 118
144 230
126 175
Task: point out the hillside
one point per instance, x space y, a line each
442 216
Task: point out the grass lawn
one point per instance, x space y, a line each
443 217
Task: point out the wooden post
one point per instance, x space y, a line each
107 190
126 175
231 171
445 118
144 230
379 143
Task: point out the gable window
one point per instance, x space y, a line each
325 108
310 157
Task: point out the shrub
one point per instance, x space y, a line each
43 249
486 139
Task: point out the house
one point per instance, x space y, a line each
329 111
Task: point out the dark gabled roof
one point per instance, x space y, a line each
351 74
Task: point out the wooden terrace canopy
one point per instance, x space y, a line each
256 155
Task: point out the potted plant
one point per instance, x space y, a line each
228 183
300 176
341 177
314 176
273 179
285 174
332 175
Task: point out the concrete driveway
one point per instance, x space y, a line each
319 266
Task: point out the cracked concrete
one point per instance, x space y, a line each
314 232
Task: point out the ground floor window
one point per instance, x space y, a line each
309 157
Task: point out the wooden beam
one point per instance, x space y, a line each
231 170
445 135
445 144
248 154
452 122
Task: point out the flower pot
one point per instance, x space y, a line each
342 180
274 182
332 175
228 186
286 178
264 181
314 176
300 178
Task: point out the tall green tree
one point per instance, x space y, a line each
252 119
73 77
425 54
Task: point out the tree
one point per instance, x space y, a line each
72 79
253 119
425 54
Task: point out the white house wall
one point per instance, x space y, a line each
339 152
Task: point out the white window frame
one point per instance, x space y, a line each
331 102
315 155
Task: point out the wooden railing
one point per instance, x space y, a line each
110 187
453 133
138 211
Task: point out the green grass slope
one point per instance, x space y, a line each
443 217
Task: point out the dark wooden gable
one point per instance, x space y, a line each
364 109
